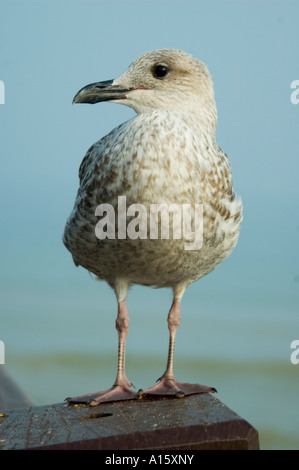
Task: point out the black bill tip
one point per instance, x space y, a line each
100 91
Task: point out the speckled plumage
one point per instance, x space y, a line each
166 154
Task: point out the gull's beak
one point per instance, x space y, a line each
101 91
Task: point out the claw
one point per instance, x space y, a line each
168 386
116 393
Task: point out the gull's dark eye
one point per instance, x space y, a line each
160 71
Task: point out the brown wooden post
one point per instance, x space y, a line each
190 423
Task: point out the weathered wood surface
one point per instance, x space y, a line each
11 396
194 422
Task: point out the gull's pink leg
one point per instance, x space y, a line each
168 385
121 389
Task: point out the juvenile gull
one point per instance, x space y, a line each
166 154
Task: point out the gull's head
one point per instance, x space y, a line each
165 79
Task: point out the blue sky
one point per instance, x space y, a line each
48 51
